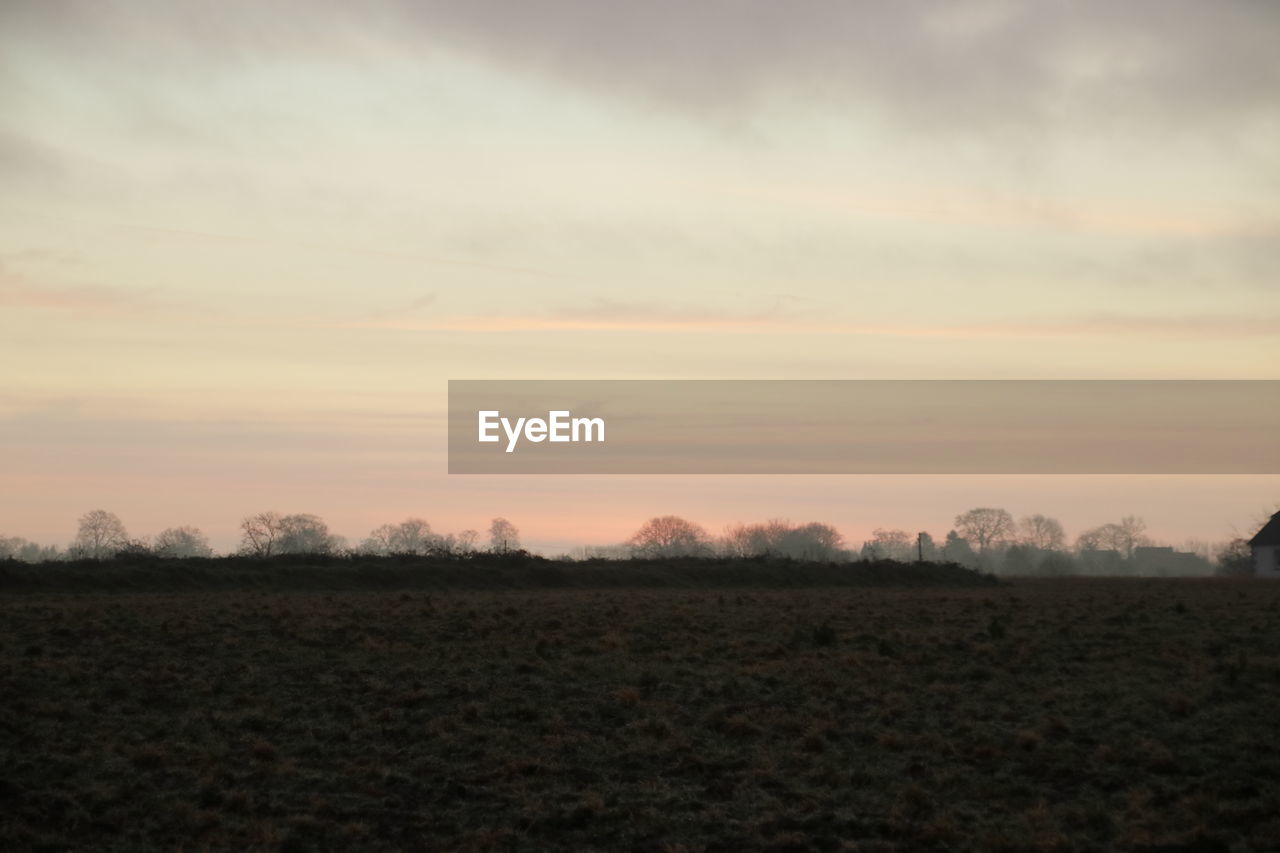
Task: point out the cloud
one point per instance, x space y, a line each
944 65
608 316
41 256
412 307
24 161
17 292
928 63
998 210
223 237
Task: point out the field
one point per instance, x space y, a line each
1034 715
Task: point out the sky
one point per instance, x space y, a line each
244 246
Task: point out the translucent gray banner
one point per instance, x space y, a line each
864 427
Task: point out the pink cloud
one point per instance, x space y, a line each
700 322
17 292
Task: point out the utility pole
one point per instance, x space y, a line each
920 547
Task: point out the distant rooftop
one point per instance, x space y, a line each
1269 534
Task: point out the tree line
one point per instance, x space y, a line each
984 538
102 535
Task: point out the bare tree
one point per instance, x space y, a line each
889 545
379 540
1040 531
503 536
18 548
756 540
1123 537
813 541
1090 540
11 547
261 534
1236 559
1131 534
456 544
304 533
465 542
182 542
100 535
985 526
736 541
411 536
670 536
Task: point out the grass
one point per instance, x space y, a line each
1064 715
516 570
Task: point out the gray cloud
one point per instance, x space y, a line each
942 65
24 161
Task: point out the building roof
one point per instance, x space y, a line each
1269 534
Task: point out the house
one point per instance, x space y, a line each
1266 549
1162 560
1101 561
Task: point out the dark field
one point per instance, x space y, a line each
1041 715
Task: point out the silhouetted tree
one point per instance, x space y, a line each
670 536
135 549
1130 534
261 534
411 536
958 550
812 541
465 541
760 539
985 526
736 541
182 542
1041 532
1122 538
304 533
503 536
100 535
1089 540
890 545
926 548
378 542
18 548
1236 559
